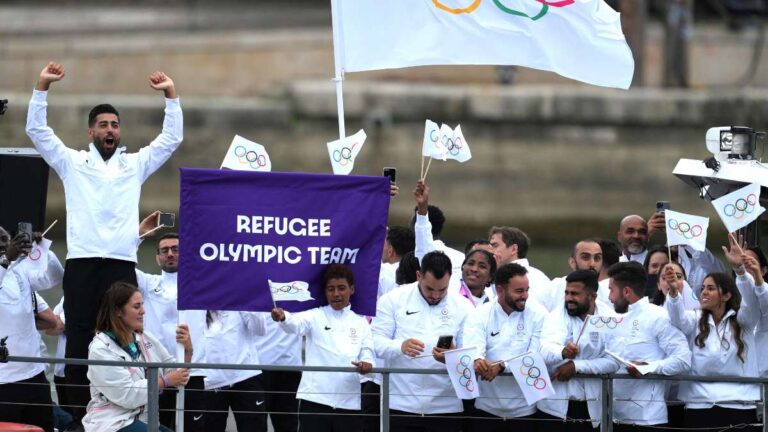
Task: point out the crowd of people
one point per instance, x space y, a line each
677 311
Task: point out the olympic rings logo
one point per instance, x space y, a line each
344 156
465 374
250 157
532 374
600 322
685 229
742 207
286 289
35 254
545 4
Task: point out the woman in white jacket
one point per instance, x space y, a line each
119 394
722 340
336 336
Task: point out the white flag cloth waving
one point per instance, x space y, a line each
461 369
740 207
245 155
686 229
580 39
343 152
531 375
290 291
603 324
37 259
433 144
456 146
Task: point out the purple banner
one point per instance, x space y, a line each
240 229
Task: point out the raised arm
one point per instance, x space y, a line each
684 320
158 151
423 228
51 148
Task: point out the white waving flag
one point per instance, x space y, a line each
580 39
740 207
37 259
290 291
461 368
245 155
686 229
432 145
343 152
531 375
455 144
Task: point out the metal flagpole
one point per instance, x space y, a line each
180 394
338 42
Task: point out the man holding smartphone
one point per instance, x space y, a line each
102 186
408 324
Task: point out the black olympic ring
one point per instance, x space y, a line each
465 375
742 206
685 229
251 157
286 289
600 322
344 156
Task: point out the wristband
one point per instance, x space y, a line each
166 384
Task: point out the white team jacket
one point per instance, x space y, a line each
402 314
559 329
118 394
334 338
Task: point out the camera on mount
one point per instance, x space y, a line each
732 142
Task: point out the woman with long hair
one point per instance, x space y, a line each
119 394
722 340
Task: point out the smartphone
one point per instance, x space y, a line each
444 341
167 220
661 206
391 172
25 228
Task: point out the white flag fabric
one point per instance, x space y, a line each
290 291
455 144
461 369
432 145
245 155
37 259
531 375
740 207
582 40
686 229
343 152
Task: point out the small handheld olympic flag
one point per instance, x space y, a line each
531 375
740 207
343 152
432 145
245 155
461 369
290 291
686 229
455 144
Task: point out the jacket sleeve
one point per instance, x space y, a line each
424 241
383 328
684 320
48 278
367 350
475 331
754 300
115 383
298 323
160 150
554 333
255 322
51 148
675 346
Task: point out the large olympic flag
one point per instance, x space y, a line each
581 39
239 229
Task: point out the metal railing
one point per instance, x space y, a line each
606 394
